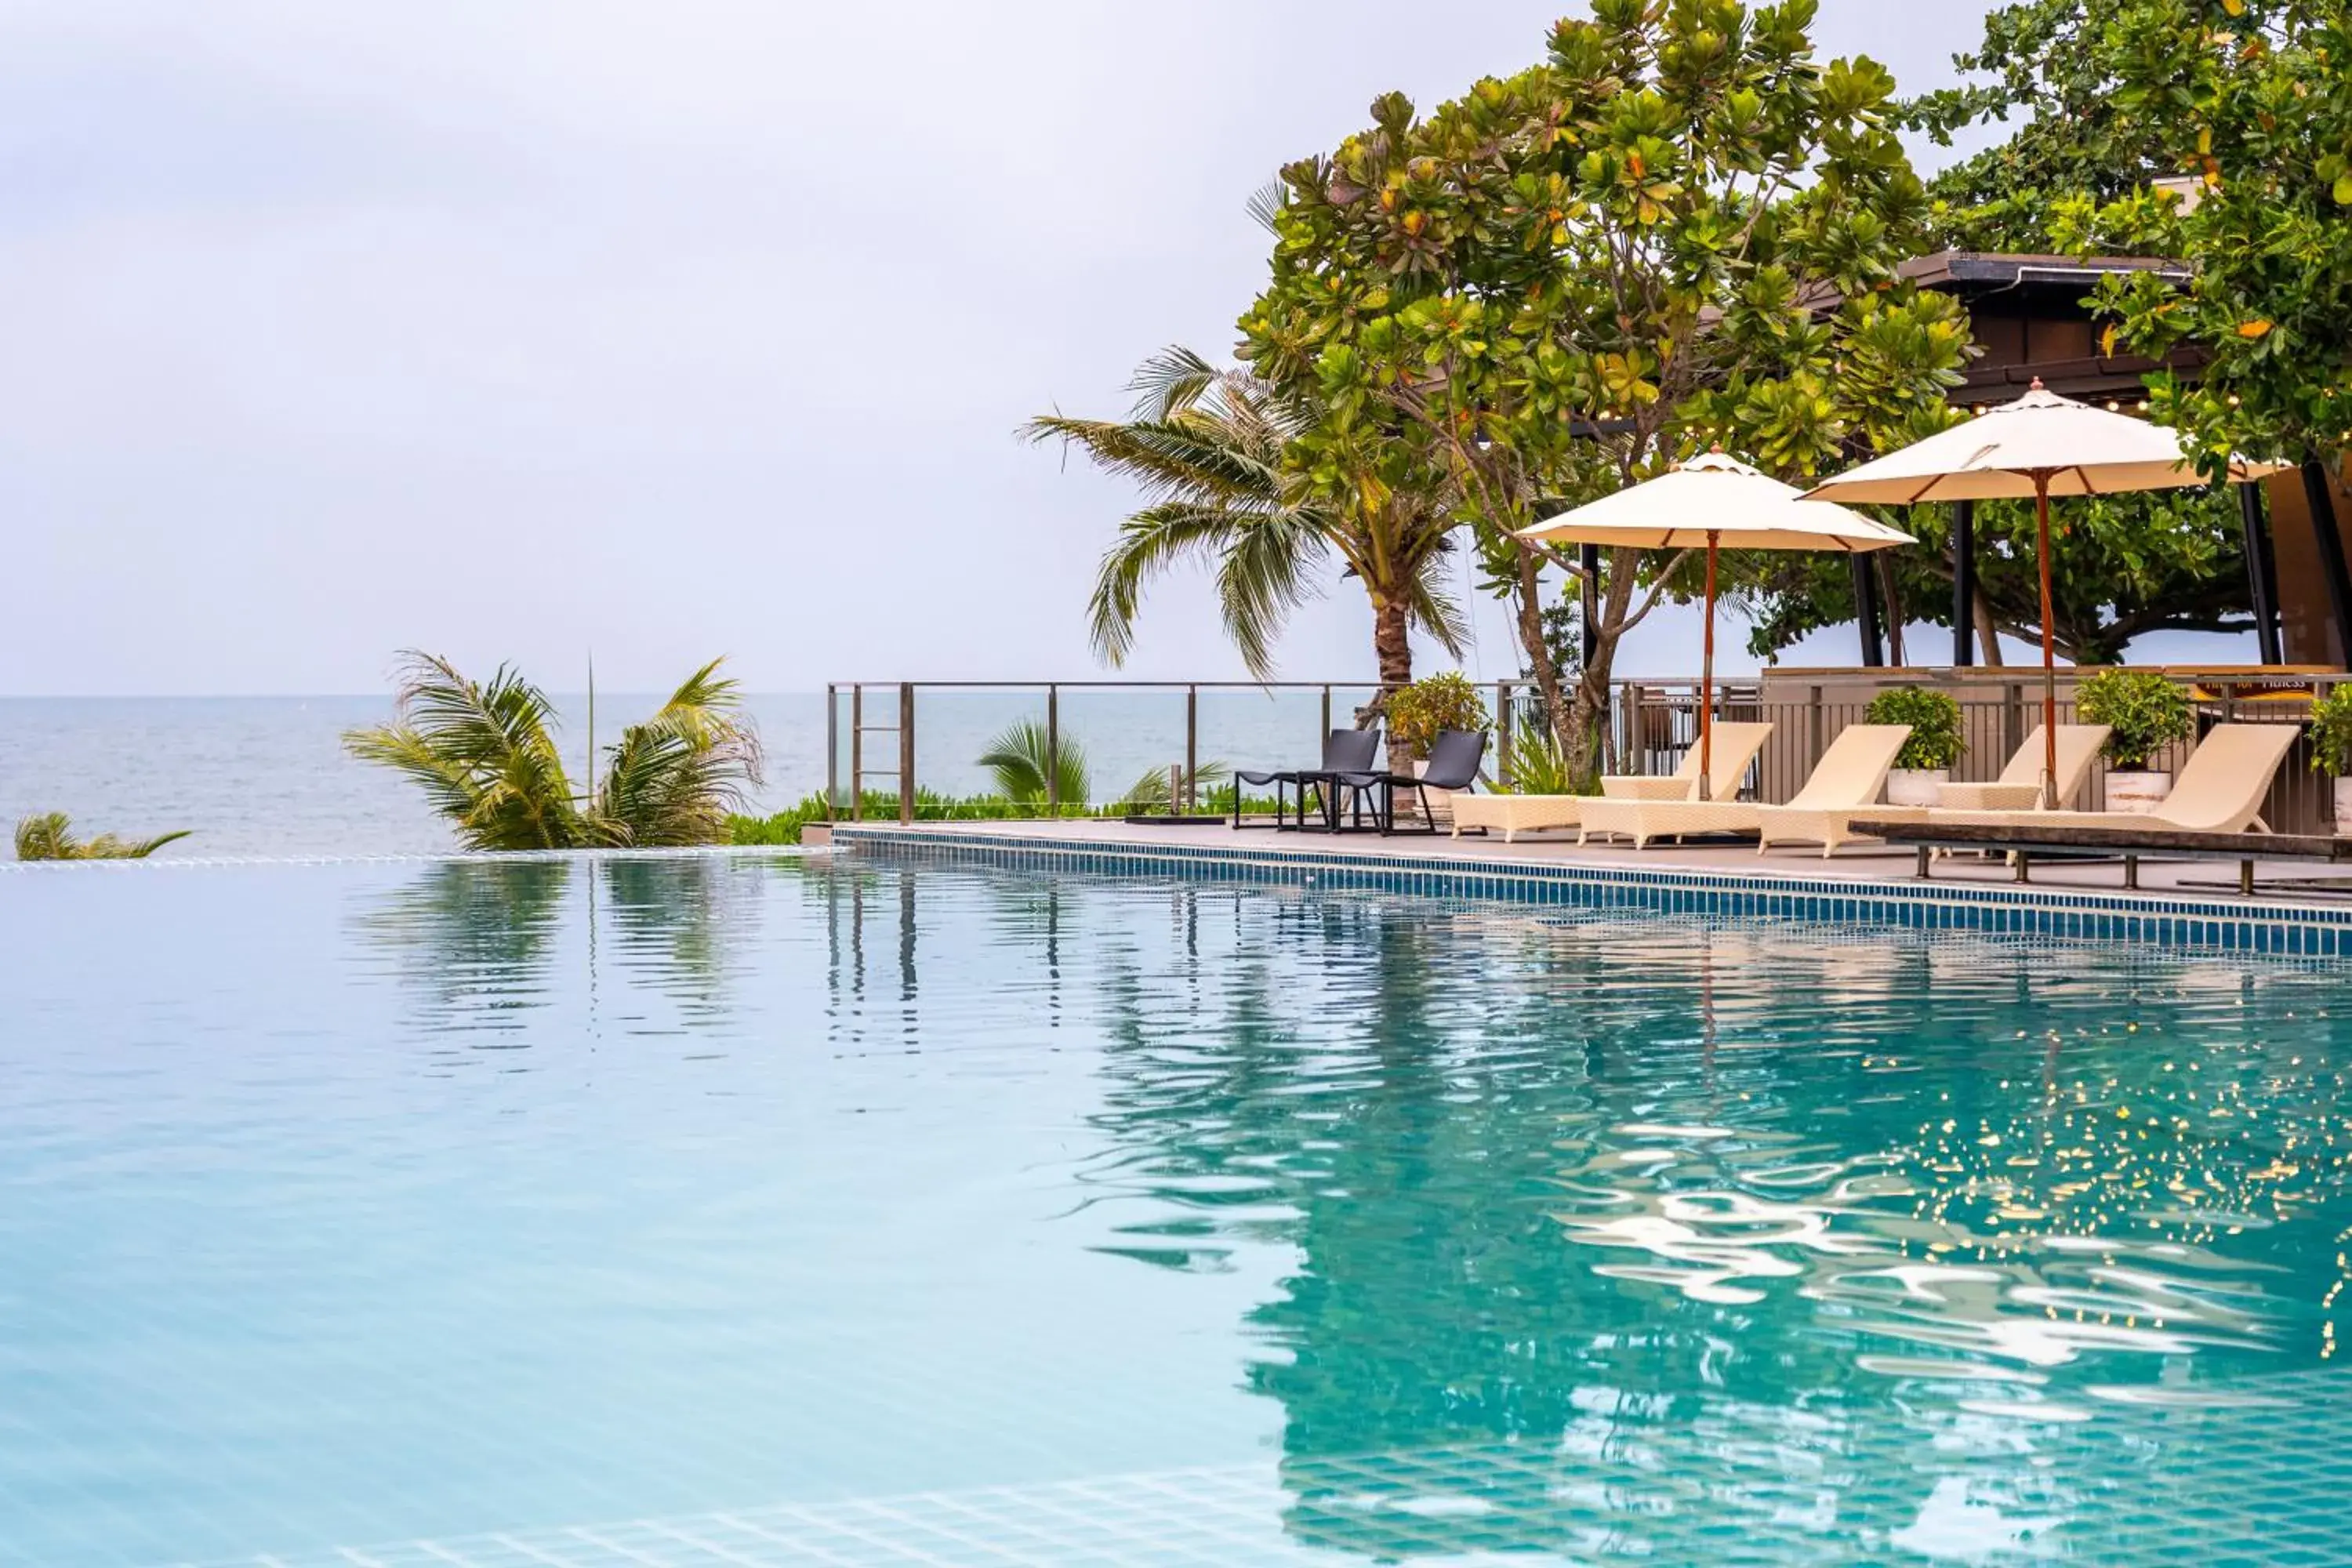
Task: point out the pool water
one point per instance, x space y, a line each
777 1210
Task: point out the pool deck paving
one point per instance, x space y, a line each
2280 884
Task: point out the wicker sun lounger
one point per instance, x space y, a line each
1735 748
1849 774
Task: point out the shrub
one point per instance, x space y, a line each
1936 741
2146 711
1422 712
1539 763
2331 733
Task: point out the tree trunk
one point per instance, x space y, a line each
1391 654
1987 633
1529 604
1579 728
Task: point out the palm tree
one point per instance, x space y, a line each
487 756
1207 445
50 837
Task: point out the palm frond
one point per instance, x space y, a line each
1431 605
484 753
673 780
1266 202
49 837
1022 756
1171 381
1265 574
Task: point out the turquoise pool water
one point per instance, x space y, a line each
765 1210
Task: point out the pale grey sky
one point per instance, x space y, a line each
510 330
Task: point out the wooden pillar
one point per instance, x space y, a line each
1964 583
2332 572
2261 574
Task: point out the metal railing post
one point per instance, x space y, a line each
1502 729
906 753
832 753
1326 719
1191 754
858 753
1637 744
1052 750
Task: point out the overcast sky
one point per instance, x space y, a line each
515 330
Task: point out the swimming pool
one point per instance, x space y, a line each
741 1209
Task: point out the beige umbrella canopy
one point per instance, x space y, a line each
2040 445
1714 502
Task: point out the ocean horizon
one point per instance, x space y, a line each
267 776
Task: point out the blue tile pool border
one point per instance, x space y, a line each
2073 914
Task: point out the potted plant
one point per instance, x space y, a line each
2331 748
1426 709
1924 765
2145 712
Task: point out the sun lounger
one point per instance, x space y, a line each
2020 784
1849 774
2019 788
1735 749
2220 788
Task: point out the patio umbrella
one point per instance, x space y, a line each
2040 445
1714 502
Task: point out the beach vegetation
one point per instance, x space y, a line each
485 754
1207 448
50 836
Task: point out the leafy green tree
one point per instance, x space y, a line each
487 756
50 837
1206 445
1679 229
2253 99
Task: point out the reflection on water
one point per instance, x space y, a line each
1643 1195
483 944
1600 1236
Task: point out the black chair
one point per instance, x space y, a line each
1344 752
1453 762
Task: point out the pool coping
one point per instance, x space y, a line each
2092 915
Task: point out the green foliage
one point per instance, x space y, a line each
1561 282
2331 733
2146 711
487 757
1207 448
2122 566
1150 792
1540 764
50 837
2252 101
1024 757
1418 713
1936 738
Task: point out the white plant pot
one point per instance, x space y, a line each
2344 805
2137 794
1917 787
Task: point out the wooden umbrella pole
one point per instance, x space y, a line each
1706 684
2049 649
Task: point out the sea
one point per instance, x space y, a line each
268 776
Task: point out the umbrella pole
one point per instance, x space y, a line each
2049 648
1706 684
